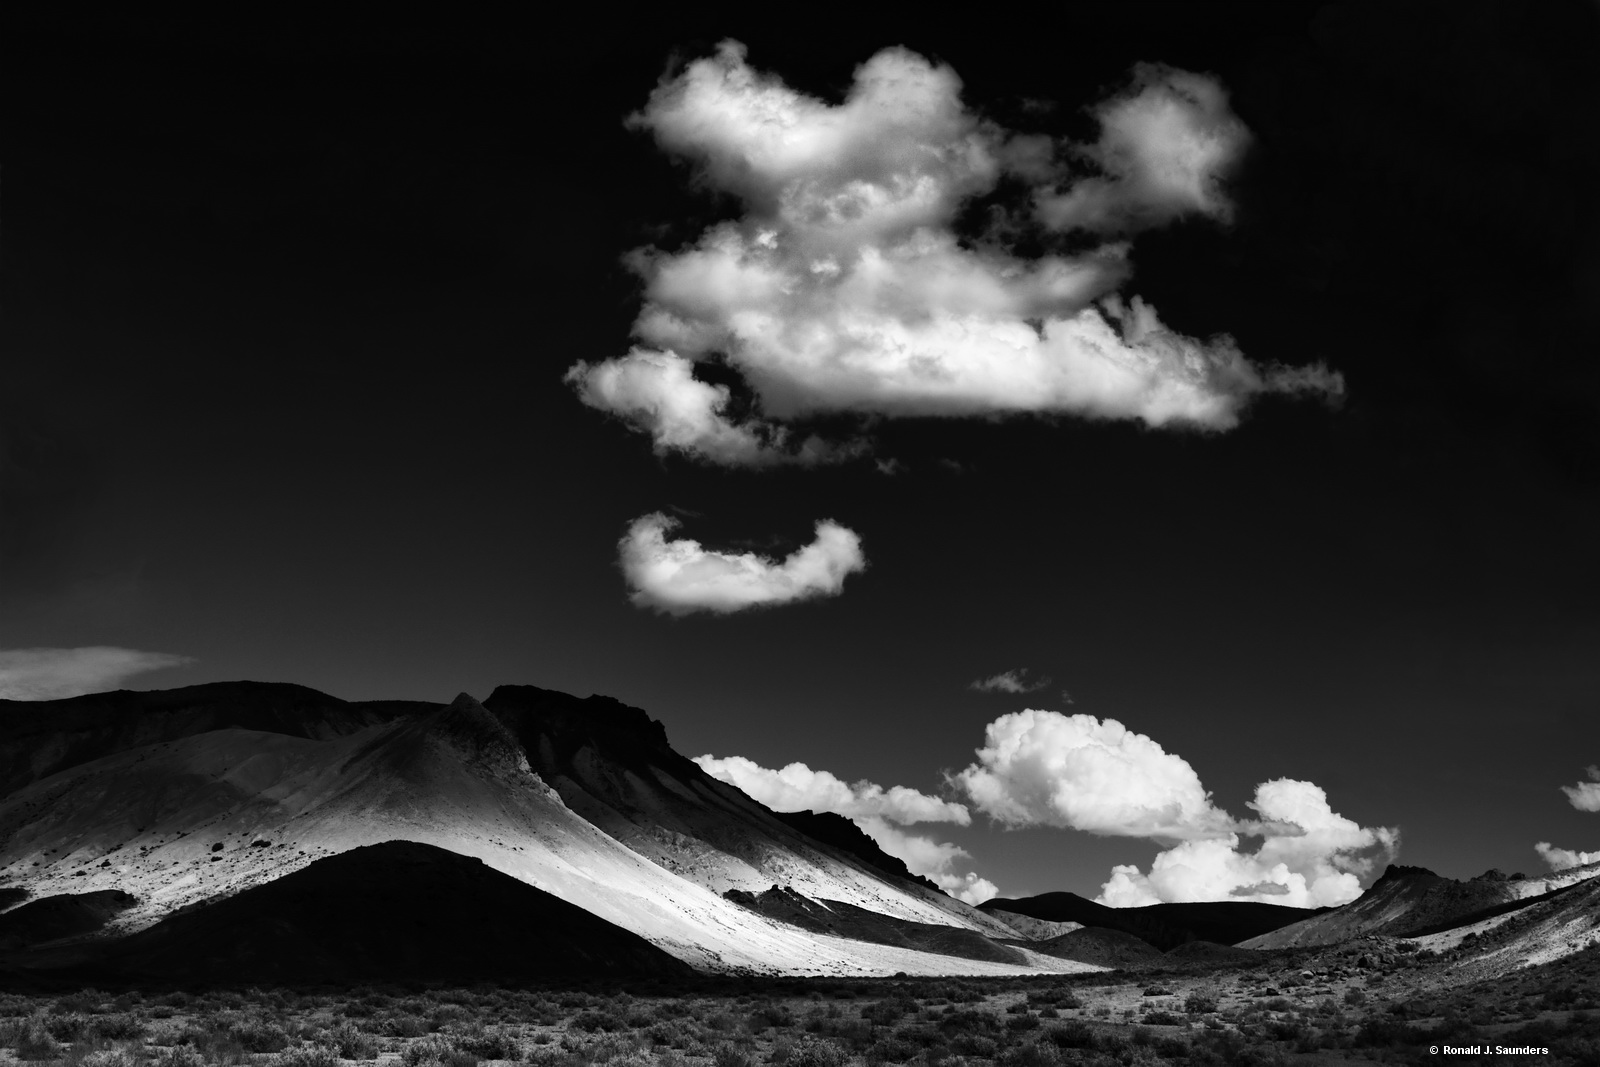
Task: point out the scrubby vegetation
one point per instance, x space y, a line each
1102 1019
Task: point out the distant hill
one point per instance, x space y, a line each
1103 947
1411 901
1164 926
398 910
39 738
66 915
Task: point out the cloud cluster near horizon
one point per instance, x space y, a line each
680 577
1585 796
56 673
881 813
1043 768
843 286
1014 681
1561 859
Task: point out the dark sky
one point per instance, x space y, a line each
288 307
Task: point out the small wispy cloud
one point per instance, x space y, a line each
680 577
55 673
1015 681
1585 796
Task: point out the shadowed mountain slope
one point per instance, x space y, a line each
1410 901
397 910
1103 948
67 915
40 738
1164 926
838 831
846 920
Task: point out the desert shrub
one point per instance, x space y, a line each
307 1056
110 1057
489 1043
179 1056
675 1034
1163 1018
1072 1034
403 1026
591 1021
120 1026
35 1042
817 1052
888 1012
70 1026
969 1021
1199 1003
258 1035
1382 1033
436 1050
350 1042
1020 1023
445 1014
975 1045
1053 998
1031 1054
86 1000
726 1054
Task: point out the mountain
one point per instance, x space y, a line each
395 911
39 738
223 791
612 765
1412 901
843 834
1165 926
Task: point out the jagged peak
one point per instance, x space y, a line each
1397 872
597 715
477 732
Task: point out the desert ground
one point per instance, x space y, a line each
1367 1000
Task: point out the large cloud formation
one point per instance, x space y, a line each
1585 796
1045 768
679 577
55 673
844 287
880 812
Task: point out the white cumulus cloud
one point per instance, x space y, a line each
797 787
54 673
1585 796
679 577
880 813
1309 856
1560 859
1164 148
657 392
1043 768
1014 681
843 287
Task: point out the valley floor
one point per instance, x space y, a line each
1281 1010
